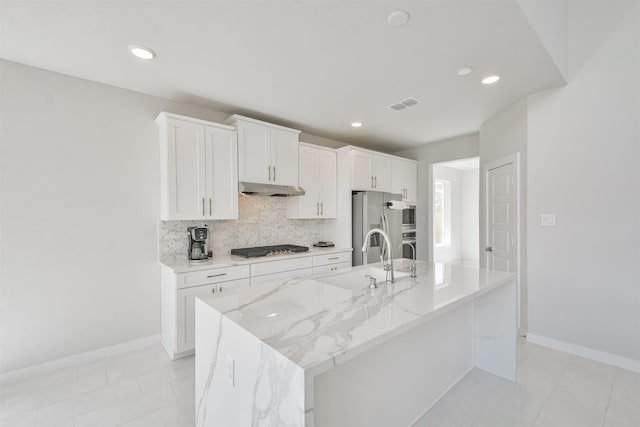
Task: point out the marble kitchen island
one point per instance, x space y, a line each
327 351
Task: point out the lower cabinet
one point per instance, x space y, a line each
186 300
331 268
178 293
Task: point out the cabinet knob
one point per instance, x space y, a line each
213 291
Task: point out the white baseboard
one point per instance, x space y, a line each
77 359
589 353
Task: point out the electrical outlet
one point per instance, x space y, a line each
548 220
231 370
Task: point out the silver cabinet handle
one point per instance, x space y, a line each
209 206
371 181
203 206
216 275
274 173
334 257
375 178
321 208
317 209
213 291
269 167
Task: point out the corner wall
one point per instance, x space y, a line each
584 166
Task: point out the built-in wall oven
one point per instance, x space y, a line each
408 231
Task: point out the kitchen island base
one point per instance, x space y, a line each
305 352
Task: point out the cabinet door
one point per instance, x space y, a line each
227 287
186 170
326 182
254 153
411 182
398 177
185 315
381 173
221 168
361 170
284 157
186 318
307 206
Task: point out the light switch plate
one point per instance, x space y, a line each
548 220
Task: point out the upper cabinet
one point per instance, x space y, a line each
318 178
199 175
404 179
370 171
267 153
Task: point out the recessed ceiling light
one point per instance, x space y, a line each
142 52
356 124
398 18
465 71
490 79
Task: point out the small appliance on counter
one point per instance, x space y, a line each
268 250
197 237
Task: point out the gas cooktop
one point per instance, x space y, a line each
268 250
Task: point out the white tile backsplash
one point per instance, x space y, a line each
262 221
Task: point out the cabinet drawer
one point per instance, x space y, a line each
214 275
331 268
334 258
279 276
263 268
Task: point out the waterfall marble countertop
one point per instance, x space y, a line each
324 320
184 266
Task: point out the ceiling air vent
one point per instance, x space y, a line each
406 103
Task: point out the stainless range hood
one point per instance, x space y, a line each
254 189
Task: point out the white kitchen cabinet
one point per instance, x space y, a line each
331 263
370 171
318 178
198 169
404 179
178 293
267 153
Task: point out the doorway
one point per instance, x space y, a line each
455 208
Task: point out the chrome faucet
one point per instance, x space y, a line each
388 266
412 269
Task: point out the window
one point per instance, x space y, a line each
442 212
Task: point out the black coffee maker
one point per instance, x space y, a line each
197 237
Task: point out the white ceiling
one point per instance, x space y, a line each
313 65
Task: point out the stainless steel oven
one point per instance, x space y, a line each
408 237
409 218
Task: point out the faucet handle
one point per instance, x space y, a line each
372 281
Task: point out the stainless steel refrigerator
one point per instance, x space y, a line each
369 210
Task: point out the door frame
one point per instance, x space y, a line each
515 160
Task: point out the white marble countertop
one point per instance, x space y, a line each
323 320
185 266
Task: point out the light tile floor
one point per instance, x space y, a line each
144 388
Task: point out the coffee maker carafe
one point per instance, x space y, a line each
197 237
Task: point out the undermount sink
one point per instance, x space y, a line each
357 280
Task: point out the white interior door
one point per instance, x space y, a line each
501 245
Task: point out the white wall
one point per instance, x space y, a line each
584 166
503 135
460 147
470 220
79 204
453 252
